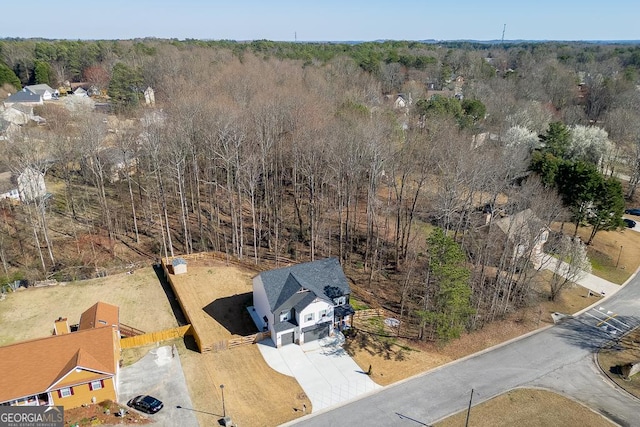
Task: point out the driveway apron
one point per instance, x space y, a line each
326 373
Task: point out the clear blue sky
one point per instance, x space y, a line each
324 20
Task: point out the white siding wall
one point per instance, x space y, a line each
261 303
315 308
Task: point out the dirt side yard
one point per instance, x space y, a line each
30 313
216 298
254 394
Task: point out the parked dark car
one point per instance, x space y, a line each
629 222
147 404
634 211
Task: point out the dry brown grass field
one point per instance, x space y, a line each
29 313
528 408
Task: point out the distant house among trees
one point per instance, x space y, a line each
45 91
27 186
402 101
31 185
8 187
80 91
24 97
523 235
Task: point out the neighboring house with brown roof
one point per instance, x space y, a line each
523 234
71 369
98 315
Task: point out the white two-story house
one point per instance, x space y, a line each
304 302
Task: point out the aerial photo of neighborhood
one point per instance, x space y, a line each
335 214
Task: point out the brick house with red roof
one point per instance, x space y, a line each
70 369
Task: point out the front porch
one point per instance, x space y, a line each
42 399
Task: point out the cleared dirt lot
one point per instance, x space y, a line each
215 297
29 313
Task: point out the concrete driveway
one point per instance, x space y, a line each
326 373
160 375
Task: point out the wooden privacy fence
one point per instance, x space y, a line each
240 341
153 337
247 261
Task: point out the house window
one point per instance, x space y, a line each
65 392
284 316
340 301
308 317
96 385
322 313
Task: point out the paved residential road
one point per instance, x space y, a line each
560 358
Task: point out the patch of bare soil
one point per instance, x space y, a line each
103 413
614 361
528 407
215 298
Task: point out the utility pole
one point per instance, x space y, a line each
619 254
466 424
504 28
295 36
224 412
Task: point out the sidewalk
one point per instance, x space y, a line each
586 280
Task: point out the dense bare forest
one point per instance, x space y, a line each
408 161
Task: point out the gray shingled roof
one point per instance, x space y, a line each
40 89
324 279
23 96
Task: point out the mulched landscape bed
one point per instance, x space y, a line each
103 413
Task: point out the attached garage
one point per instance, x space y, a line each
317 333
287 338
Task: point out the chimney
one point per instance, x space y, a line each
61 326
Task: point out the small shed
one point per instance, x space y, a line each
179 266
